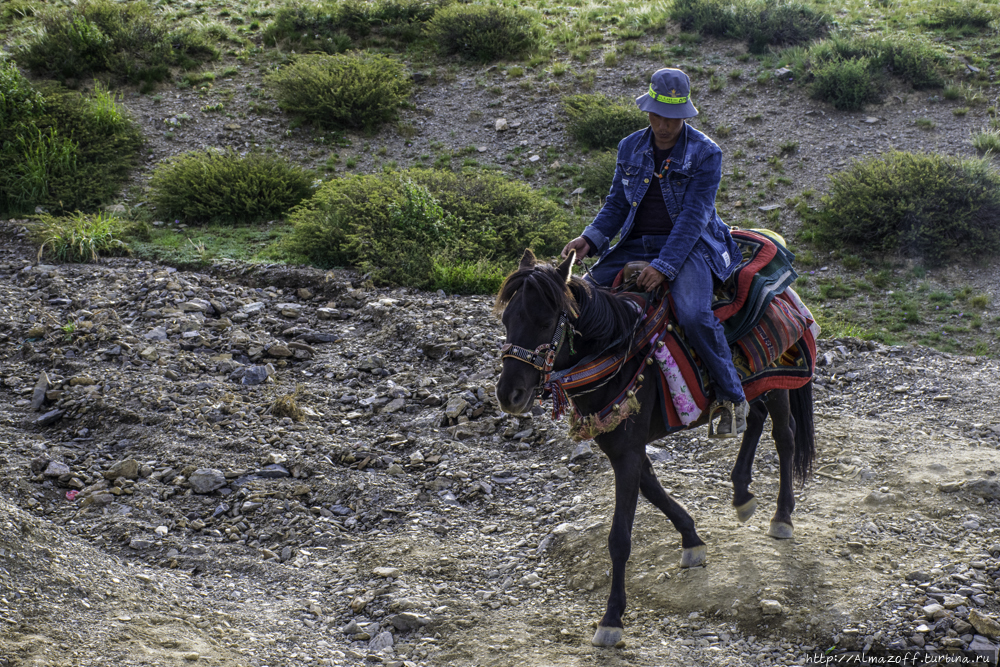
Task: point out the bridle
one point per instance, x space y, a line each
544 356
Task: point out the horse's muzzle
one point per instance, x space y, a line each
514 400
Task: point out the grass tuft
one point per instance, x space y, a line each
484 33
598 121
79 238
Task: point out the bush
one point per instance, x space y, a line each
599 172
225 187
426 227
914 204
598 121
761 23
847 84
60 150
961 16
127 39
332 27
910 60
79 237
483 33
356 90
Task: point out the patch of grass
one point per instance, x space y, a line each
194 246
908 58
598 172
760 23
357 90
913 204
987 141
400 226
723 131
847 84
129 40
925 123
61 150
78 237
484 33
214 186
960 15
598 121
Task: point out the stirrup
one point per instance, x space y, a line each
732 419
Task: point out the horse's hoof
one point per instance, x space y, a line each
606 636
780 530
746 510
694 556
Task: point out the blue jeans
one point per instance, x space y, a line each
692 292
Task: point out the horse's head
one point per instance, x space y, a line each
536 304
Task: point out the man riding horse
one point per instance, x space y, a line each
662 204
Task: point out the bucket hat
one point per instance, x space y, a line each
669 95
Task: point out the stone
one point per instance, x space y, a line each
987 489
49 418
782 72
878 499
407 621
501 125
139 544
279 350
931 611
394 405
206 480
954 601
38 395
149 354
254 375
253 308
56 469
985 625
82 381
386 572
381 641
129 469
156 334
581 452
534 158
36 331
770 607
983 647
455 407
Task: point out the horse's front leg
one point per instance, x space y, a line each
744 501
628 470
694 549
783 432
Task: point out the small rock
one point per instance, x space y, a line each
501 125
983 647
932 611
984 625
279 350
954 601
38 395
56 469
49 418
156 334
82 381
878 498
254 375
582 451
386 572
770 607
129 469
409 621
139 544
987 489
382 640
206 480
455 407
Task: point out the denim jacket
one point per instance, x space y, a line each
689 196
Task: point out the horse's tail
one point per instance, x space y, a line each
801 405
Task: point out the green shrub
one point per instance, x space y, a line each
598 121
963 15
933 206
847 84
599 172
332 27
426 227
483 33
127 39
213 186
60 150
79 237
987 141
761 23
909 59
355 90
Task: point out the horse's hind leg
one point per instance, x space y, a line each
694 549
744 501
627 473
783 431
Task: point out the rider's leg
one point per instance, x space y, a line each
692 292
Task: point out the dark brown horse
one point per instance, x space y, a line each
553 321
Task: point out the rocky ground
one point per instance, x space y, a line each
277 466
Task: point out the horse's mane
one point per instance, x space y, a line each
601 317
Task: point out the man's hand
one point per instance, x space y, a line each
650 279
580 245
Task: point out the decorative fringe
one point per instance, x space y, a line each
591 426
560 401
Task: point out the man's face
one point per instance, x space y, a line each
665 130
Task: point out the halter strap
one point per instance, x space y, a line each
544 356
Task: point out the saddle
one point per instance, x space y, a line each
771 333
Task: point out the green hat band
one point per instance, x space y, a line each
664 98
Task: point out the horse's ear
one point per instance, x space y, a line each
527 259
566 268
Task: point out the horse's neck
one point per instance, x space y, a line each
594 325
